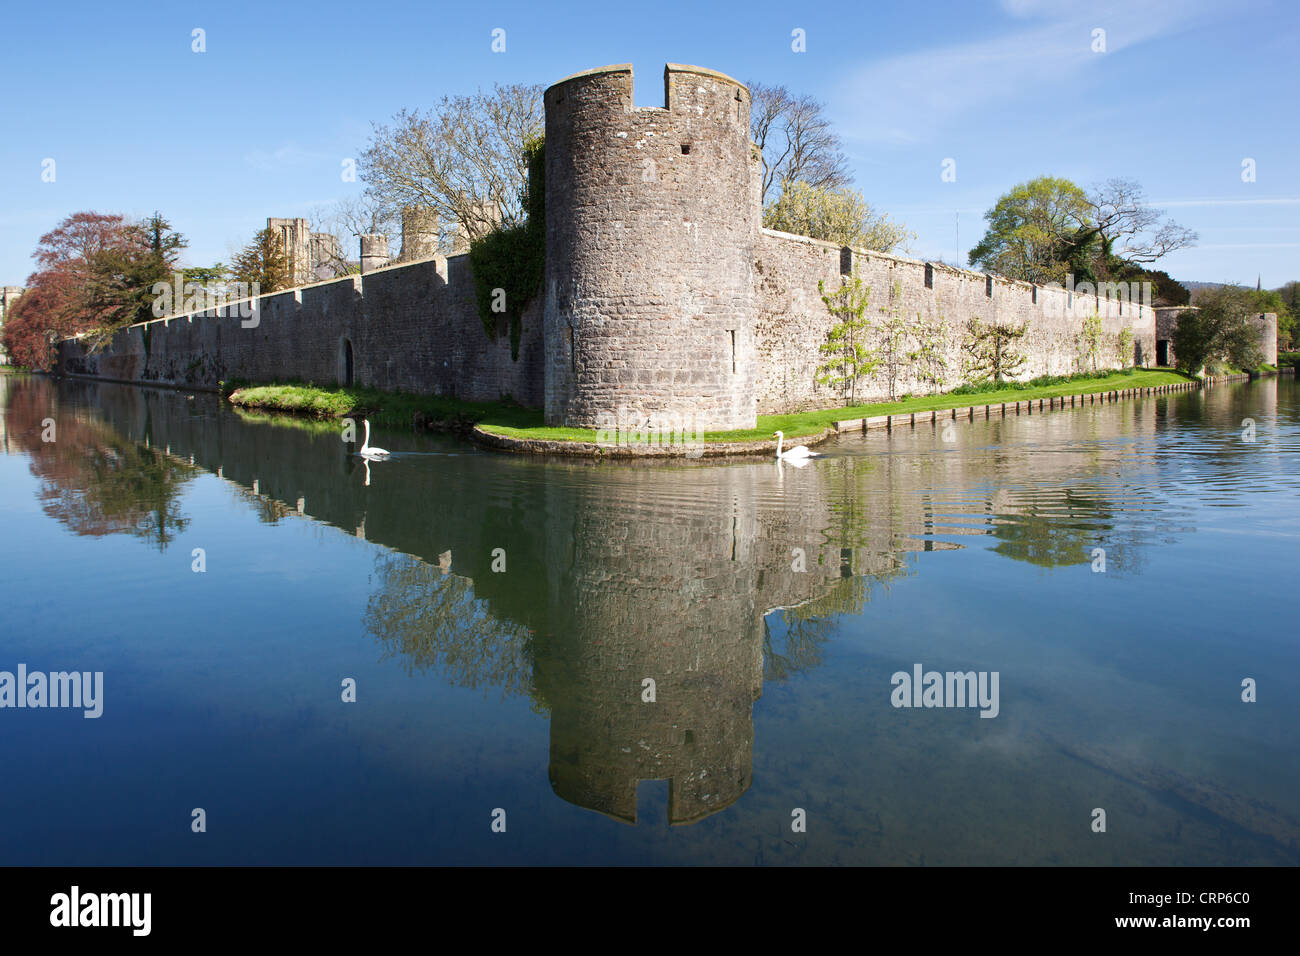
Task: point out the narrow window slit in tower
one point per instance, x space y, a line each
1033 294
929 276
988 286
733 350
686 149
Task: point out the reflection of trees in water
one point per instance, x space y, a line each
93 479
878 504
1059 527
430 620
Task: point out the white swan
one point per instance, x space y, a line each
797 453
374 454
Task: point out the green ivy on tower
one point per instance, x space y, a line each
513 259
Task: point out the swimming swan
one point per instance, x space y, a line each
797 453
374 454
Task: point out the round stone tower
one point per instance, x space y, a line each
652 215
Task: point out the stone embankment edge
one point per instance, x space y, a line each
590 449
575 449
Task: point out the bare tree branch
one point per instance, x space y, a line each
462 159
1122 217
796 140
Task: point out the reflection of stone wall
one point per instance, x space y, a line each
619 574
613 592
680 602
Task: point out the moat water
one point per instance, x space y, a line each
501 616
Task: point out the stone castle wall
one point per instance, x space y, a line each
793 321
662 295
1265 324
413 327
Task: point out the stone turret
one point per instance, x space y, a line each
419 233
374 252
327 259
651 224
1266 326
484 216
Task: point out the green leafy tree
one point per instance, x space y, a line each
1124 347
1090 339
848 358
894 335
1049 227
161 247
207 276
508 262
264 261
838 215
1218 331
992 352
1165 290
929 358
1032 229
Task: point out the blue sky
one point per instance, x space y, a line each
259 124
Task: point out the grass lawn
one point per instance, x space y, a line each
801 424
399 409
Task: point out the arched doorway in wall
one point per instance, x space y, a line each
347 373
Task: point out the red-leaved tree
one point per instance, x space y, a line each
82 283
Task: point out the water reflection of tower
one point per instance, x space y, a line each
638 597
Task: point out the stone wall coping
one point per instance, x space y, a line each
596 71
354 278
908 261
703 71
668 68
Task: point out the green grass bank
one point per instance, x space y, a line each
505 418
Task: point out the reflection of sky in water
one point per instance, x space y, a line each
521 690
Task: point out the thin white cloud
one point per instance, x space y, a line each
1278 201
1248 245
912 97
288 156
